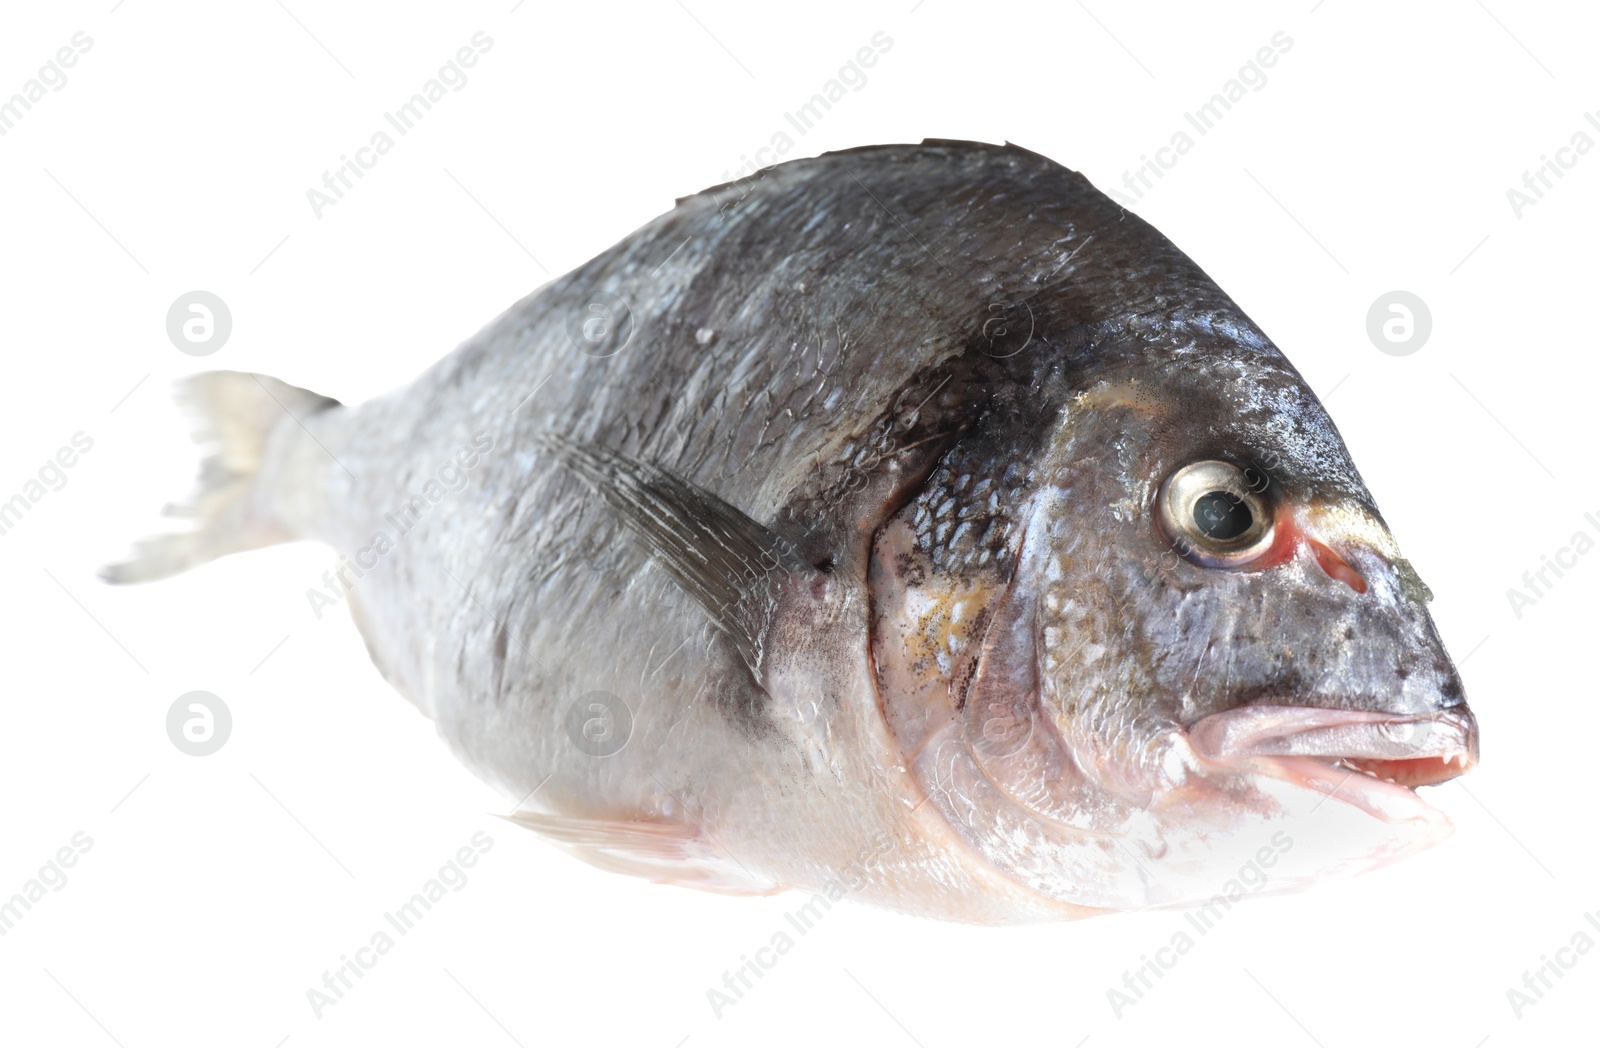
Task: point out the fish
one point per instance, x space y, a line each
909 524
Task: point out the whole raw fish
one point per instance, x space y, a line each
911 523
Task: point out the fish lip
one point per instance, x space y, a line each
1406 750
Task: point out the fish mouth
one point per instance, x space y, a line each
1306 743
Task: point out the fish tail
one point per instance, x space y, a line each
245 421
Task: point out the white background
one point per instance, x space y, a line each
219 889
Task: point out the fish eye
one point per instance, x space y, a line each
1216 514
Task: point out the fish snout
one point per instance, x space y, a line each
1352 546
1376 605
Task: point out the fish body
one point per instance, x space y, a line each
910 523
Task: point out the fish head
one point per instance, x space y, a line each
1206 659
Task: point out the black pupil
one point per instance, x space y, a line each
1221 516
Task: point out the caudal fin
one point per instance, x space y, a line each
235 412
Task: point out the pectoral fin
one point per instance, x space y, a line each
732 565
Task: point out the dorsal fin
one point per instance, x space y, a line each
732 565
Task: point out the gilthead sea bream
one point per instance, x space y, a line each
911 523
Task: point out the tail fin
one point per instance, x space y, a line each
235 411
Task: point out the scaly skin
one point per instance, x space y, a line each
951 373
